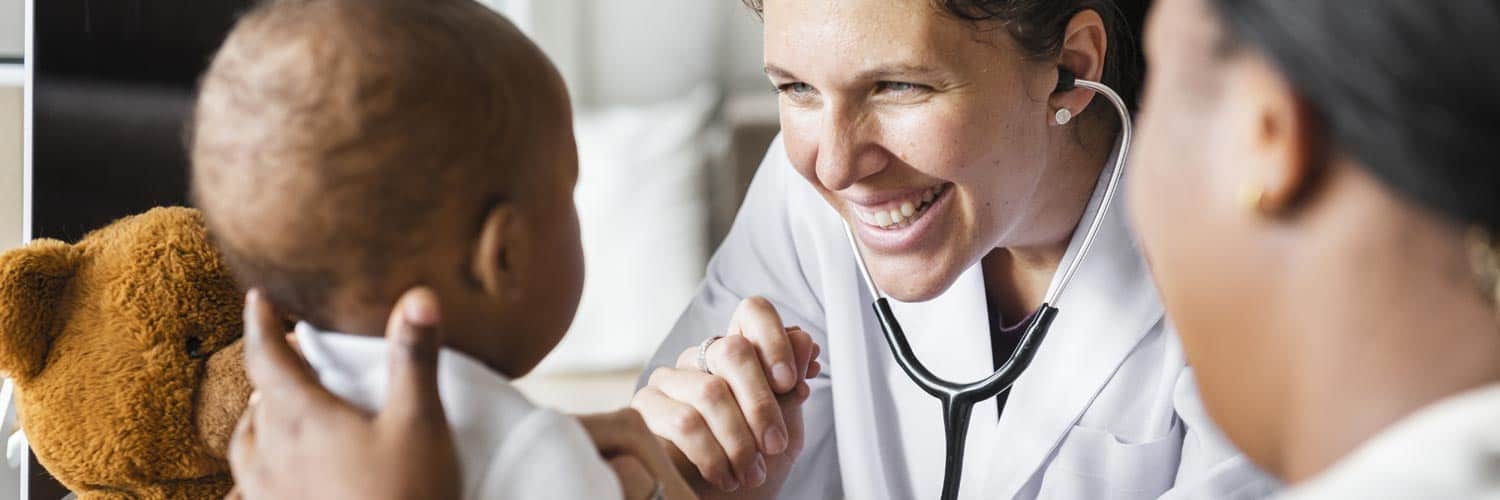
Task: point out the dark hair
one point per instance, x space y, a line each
331 137
1405 87
1039 26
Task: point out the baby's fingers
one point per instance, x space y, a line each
635 480
804 349
414 336
757 321
274 367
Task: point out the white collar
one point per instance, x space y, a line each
345 362
1449 449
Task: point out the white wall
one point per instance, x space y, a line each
10 167
633 53
743 60
647 51
11 35
12 38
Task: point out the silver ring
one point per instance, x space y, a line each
703 353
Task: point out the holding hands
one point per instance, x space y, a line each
731 407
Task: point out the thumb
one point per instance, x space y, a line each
413 337
272 366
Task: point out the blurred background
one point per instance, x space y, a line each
672 116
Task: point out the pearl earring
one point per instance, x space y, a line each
1063 116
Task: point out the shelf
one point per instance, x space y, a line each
12 75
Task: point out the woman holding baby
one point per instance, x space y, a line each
1354 210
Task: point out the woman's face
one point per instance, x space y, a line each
1196 155
928 136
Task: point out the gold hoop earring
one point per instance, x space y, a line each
1484 255
1253 197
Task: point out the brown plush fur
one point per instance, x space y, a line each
98 336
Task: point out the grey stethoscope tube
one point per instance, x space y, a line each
959 399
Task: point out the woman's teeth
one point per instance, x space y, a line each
904 214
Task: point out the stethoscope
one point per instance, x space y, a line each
959 399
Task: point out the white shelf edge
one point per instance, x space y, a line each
12 74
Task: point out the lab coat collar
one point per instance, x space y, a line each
1104 313
1109 307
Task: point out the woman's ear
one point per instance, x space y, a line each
1085 44
1285 139
501 236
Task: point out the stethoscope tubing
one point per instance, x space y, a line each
958 399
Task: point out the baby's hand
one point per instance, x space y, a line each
806 352
636 456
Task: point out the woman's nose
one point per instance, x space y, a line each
848 150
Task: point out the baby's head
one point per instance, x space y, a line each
346 150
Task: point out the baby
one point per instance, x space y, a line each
345 151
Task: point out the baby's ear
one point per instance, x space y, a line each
32 281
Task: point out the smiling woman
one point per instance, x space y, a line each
932 91
940 133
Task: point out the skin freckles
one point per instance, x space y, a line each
881 97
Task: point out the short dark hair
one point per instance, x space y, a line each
1039 26
1401 86
337 143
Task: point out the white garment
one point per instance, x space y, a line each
507 447
1448 450
1108 408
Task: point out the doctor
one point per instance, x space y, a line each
935 130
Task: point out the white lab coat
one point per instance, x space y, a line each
1107 410
1450 449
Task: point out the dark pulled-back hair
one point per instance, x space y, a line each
1405 87
1039 26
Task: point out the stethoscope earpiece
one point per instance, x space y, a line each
1065 80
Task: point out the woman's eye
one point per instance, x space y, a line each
902 88
794 89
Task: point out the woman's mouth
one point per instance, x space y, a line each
900 225
900 213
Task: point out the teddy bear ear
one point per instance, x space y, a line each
33 279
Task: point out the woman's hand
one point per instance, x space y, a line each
636 455
297 440
739 425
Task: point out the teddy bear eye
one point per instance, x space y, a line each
194 347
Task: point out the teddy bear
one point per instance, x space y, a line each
124 350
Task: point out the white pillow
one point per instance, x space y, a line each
643 211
